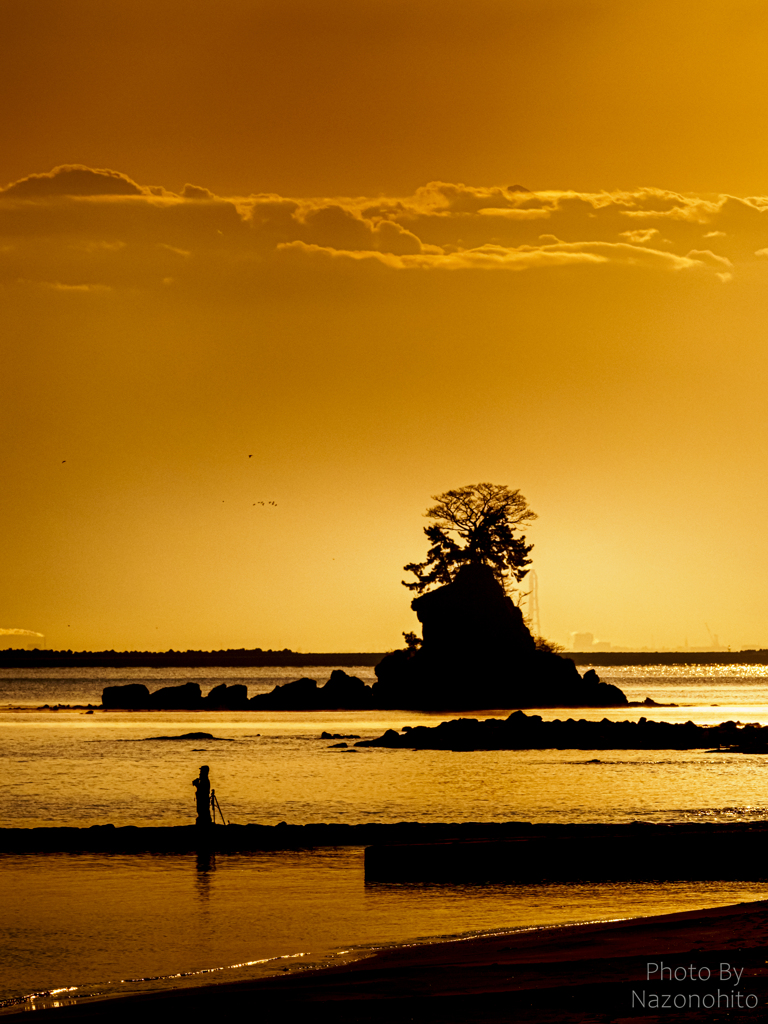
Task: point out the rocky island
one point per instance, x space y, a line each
477 650
476 653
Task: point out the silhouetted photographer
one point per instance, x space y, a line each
203 798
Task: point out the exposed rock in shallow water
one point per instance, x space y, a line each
530 732
341 692
176 698
227 698
185 697
131 696
190 736
477 652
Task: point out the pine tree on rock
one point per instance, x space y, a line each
475 525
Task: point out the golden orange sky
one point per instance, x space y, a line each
284 252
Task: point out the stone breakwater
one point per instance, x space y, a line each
631 852
529 732
284 836
234 838
469 852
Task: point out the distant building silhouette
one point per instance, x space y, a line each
585 642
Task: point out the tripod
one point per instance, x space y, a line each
214 805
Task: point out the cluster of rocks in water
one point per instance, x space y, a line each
187 697
341 692
530 732
476 653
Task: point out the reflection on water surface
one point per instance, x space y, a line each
126 923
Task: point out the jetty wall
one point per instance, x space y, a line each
465 852
677 853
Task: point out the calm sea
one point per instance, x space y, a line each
73 925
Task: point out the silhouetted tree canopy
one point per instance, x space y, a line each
478 524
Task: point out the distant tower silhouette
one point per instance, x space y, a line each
533 603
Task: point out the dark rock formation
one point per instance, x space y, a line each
341 692
227 698
299 695
472 612
477 652
186 697
529 732
190 736
131 697
345 691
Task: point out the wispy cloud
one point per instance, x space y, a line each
77 228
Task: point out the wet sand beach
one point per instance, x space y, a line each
692 966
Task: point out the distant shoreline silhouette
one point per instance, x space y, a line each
240 657
257 658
